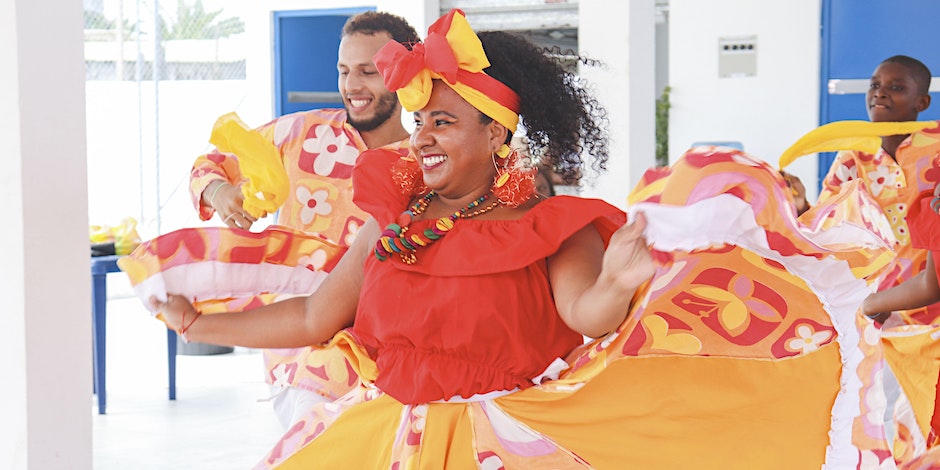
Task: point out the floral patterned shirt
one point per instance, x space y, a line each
895 185
318 149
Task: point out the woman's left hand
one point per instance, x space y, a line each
627 261
798 191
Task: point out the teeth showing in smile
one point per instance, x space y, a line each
434 160
358 103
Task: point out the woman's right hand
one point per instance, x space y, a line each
227 201
627 260
178 313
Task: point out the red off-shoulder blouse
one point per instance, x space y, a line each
475 314
924 225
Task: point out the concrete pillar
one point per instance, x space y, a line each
45 341
622 36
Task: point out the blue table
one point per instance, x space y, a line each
100 267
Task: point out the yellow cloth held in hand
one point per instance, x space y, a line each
266 186
863 136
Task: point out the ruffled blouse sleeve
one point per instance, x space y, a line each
374 188
924 223
476 247
480 246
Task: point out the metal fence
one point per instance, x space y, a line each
158 73
188 42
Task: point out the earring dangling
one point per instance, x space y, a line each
513 184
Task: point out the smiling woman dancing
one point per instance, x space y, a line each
475 289
462 304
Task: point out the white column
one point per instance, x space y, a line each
45 341
419 14
622 35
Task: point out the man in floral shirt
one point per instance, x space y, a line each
318 149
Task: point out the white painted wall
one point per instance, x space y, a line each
767 112
45 413
622 36
13 430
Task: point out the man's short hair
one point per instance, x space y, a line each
372 22
919 72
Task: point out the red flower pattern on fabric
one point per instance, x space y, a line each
336 161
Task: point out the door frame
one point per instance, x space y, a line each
276 18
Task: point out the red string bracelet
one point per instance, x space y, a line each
183 329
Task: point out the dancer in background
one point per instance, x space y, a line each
318 149
898 172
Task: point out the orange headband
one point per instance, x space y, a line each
452 52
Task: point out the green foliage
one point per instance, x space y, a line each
194 22
95 20
662 128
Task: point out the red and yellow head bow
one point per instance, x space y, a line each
452 52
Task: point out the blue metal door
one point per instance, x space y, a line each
856 36
305 54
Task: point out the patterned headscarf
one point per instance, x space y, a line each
452 52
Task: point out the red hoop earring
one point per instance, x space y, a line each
407 176
513 184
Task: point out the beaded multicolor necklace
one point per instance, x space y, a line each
395 239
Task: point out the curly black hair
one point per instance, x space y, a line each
562 119
371 22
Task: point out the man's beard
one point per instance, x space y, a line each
384 109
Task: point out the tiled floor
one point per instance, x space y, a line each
216 422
